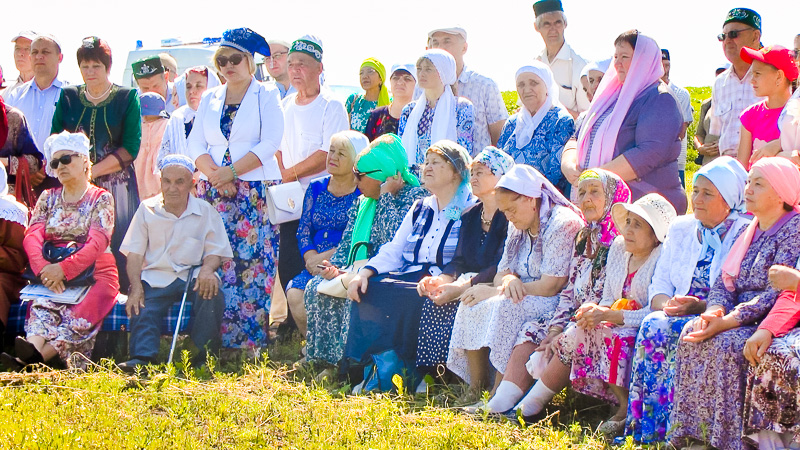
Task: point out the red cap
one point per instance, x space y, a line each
776 56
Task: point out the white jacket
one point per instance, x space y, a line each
257 128
675 268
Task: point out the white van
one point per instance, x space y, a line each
189 54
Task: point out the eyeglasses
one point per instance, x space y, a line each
65 160
277 55
733 34
234 59
360 175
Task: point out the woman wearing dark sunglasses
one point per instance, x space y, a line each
78 215
237 130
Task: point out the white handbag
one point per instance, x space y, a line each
285 202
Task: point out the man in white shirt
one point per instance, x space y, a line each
278 68
563 61
311 116
22 59
169 234
733 91
684 100
490 109
38 97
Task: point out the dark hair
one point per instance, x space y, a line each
628 37
787 207
95 49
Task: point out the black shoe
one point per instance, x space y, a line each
132 365
11 363
26 351
512 416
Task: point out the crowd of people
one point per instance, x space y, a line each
519 254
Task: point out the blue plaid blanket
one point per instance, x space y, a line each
116 320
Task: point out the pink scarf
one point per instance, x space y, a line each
645 70
784 177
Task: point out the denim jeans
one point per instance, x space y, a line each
204 326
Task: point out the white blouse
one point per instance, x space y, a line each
257 128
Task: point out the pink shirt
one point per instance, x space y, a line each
761 122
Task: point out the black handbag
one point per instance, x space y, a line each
53 255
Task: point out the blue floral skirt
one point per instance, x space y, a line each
653 368
246 279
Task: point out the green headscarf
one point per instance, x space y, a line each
385 157
383 97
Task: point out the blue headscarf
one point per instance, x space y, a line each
460 159
729 177
498 161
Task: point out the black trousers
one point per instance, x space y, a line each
290 261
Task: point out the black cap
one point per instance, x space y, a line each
546 6
665 54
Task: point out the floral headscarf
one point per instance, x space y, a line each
600 234
498 161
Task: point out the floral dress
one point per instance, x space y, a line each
498 323
601 356
329 317
465 118
711 376
380 122
358 107
89 222
247 279
543 152
321 225
653 367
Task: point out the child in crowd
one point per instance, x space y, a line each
774 70
154 122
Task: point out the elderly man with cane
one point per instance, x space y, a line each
171 234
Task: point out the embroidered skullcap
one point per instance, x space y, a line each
745 16
310 45
245 40
498 161
77 142
546 6
147 67
176 159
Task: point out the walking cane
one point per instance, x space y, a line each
180 313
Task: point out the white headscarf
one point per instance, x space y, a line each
527 123
10 208
444 118
76 142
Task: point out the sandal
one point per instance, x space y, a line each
611 427
11 363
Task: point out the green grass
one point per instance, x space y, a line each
263 406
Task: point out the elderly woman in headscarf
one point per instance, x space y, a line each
388 190
632 127
710 379
690 263
324 217
595 352
536 135
480 246
198 79
438 113
13 260
492 320
372 76
593 73
388 310
385 119
76 219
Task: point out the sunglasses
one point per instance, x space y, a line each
235 59
65 160
360 175
733 34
